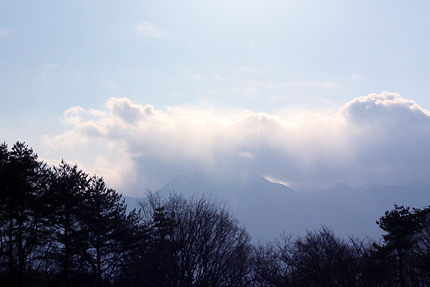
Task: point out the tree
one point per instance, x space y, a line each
64 206
421 254
318 258
206 246
23 182
134 264
104 223
273 263
401 226
58 226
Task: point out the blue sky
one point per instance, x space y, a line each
141 91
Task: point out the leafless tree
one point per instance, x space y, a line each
207 245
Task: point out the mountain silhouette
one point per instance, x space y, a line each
268 209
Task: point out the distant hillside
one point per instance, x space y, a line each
239 192
267 208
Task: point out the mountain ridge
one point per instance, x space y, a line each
268 209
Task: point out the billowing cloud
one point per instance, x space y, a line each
376 138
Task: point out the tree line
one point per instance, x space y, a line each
61 227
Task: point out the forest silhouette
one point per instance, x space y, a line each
61 227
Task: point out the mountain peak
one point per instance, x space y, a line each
240 191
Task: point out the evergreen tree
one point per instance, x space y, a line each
401 225
104 222
23 181
64 206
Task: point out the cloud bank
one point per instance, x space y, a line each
379 138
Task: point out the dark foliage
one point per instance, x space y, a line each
405 247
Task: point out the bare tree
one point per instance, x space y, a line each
207 246
318 258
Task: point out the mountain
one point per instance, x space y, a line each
347 210
239 192
268 209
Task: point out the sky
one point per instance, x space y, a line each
305 93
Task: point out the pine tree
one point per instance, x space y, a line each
23 182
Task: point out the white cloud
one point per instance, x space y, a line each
246 154
376 138
274 180
74 115
150 30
